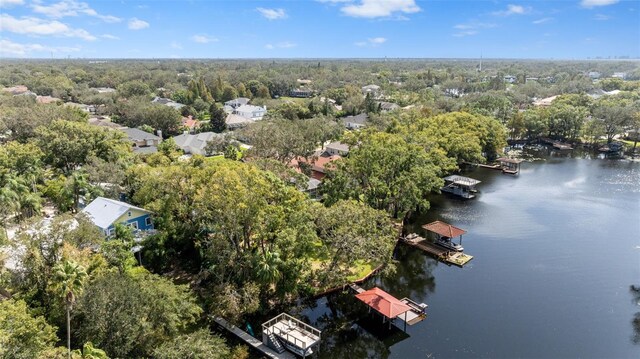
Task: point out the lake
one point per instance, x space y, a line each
556 250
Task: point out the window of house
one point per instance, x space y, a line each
110 232
129 213
133 225
147 221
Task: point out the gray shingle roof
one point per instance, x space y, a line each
338 146
359 119
199 140
135 134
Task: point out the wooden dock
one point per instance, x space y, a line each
251 341
441 253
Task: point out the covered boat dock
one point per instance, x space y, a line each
464 187
405 309
510 165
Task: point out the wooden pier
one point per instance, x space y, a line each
251 341
441 253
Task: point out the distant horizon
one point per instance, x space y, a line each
335 29
313 58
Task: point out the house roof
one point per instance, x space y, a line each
167 102
360 119
135 134
238 101
338 146
46 99
145 150
323 163
383 302
444 229
313 184
189 122
105 122
16 90
104 211
195 141
545 101
234 120
388 105
250 108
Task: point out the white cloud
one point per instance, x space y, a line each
176 45
371 42
110 37
9 48
602 17
203 39
280 45
8 3
513 10
39 27
380 8
272 14
471 28
542 21
334 1
71 8
137 24
593 3
465 33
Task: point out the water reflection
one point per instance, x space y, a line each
413 277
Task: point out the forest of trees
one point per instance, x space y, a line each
236 236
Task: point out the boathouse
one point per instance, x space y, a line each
391 308
464 187
445 233
510 165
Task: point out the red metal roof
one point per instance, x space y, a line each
383 302
444 229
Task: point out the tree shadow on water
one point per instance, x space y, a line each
635 322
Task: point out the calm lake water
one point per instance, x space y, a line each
556 250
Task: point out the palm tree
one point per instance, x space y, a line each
267 267
69 278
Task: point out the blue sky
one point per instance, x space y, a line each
569 29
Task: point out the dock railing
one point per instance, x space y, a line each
269 327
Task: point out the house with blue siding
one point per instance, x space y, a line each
105 213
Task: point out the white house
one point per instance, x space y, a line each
337 148
374 90
167 102
355 122
250 111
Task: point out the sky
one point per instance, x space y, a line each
567 29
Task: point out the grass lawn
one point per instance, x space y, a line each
357 270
